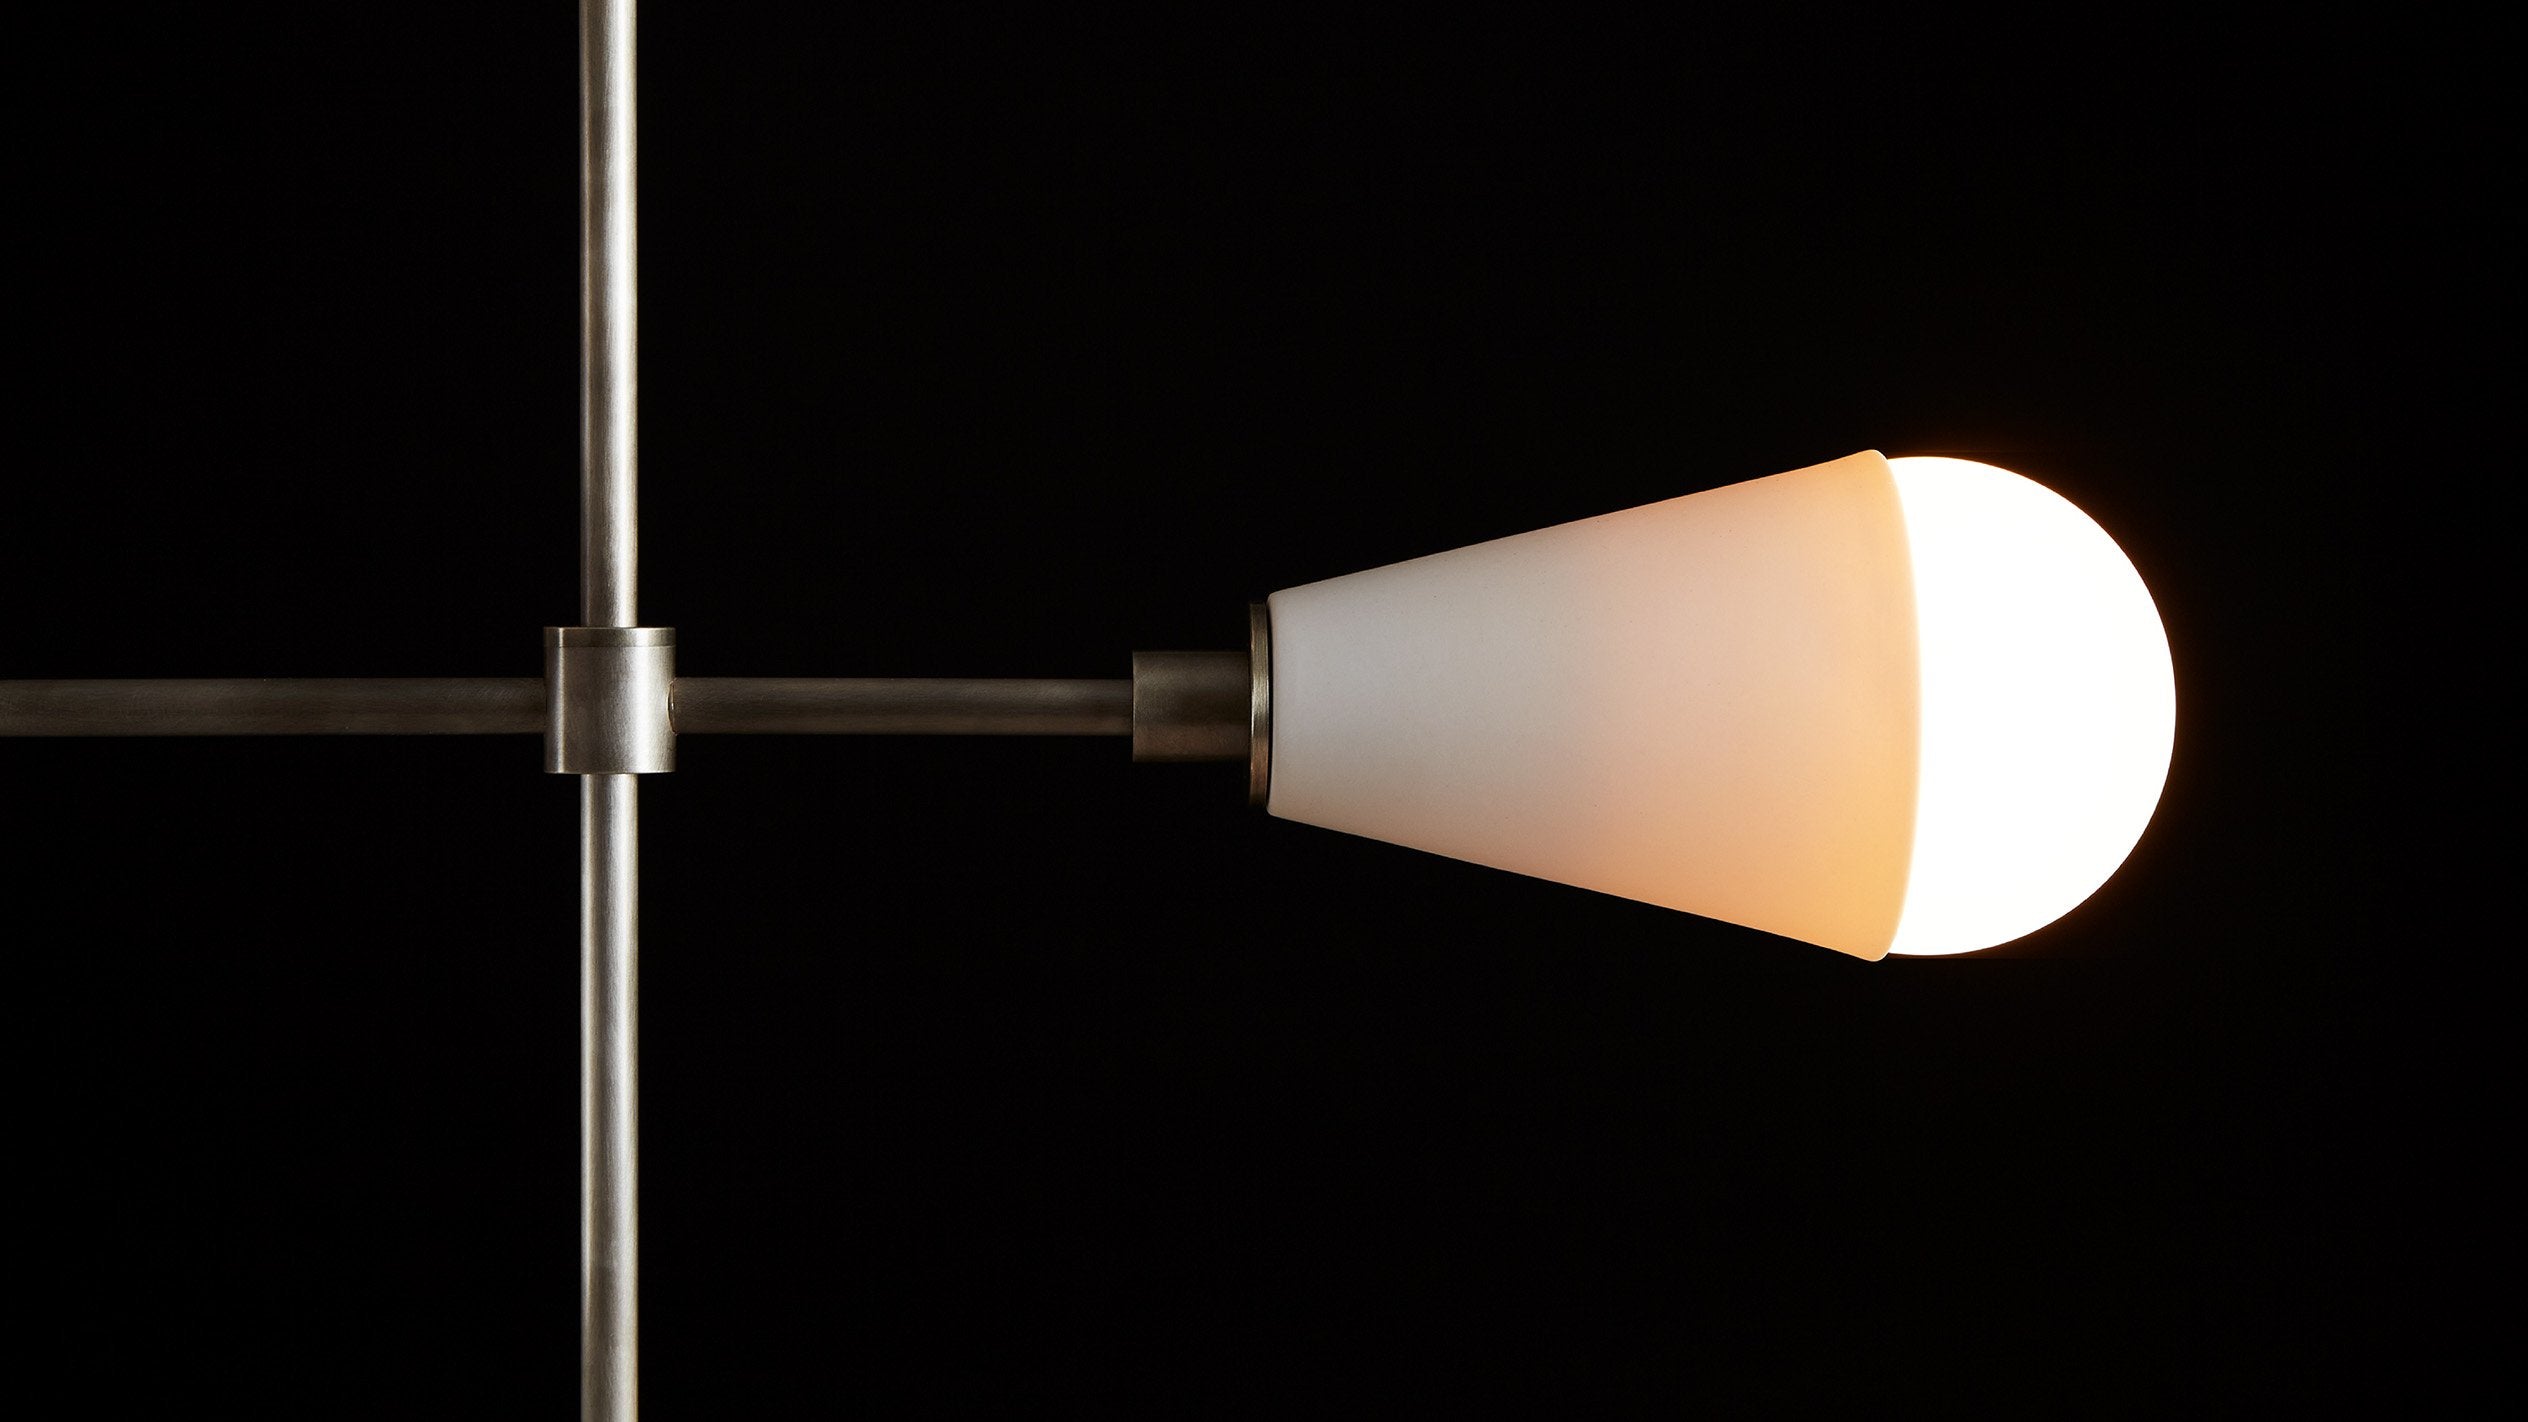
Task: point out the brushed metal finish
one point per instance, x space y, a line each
1259 654
608 690
610 636
878 706
274 706
609 566
609 316
609 1097
394 706
1192 705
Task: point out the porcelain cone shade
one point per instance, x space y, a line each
1714 704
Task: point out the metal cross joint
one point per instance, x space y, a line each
609 695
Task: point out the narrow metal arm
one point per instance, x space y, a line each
877 706
484 706
275 706
1177 706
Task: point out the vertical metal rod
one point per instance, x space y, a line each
609 1103
609 839
609 259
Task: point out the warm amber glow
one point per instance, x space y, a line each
2048 706
1922 706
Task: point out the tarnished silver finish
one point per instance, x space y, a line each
925 706
274 706
609 311
609 1084
608 690
1191 705
1259 715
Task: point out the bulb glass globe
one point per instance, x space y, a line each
2048 706
1915 705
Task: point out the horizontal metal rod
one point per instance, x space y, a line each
902 706
275 706
456 706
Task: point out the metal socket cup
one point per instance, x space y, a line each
1191 705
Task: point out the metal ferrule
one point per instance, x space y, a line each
1209 705
607 692
1189 705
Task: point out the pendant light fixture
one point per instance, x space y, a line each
1917 705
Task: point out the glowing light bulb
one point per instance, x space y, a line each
2048 705
1921 705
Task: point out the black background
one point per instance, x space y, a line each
1005 1074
